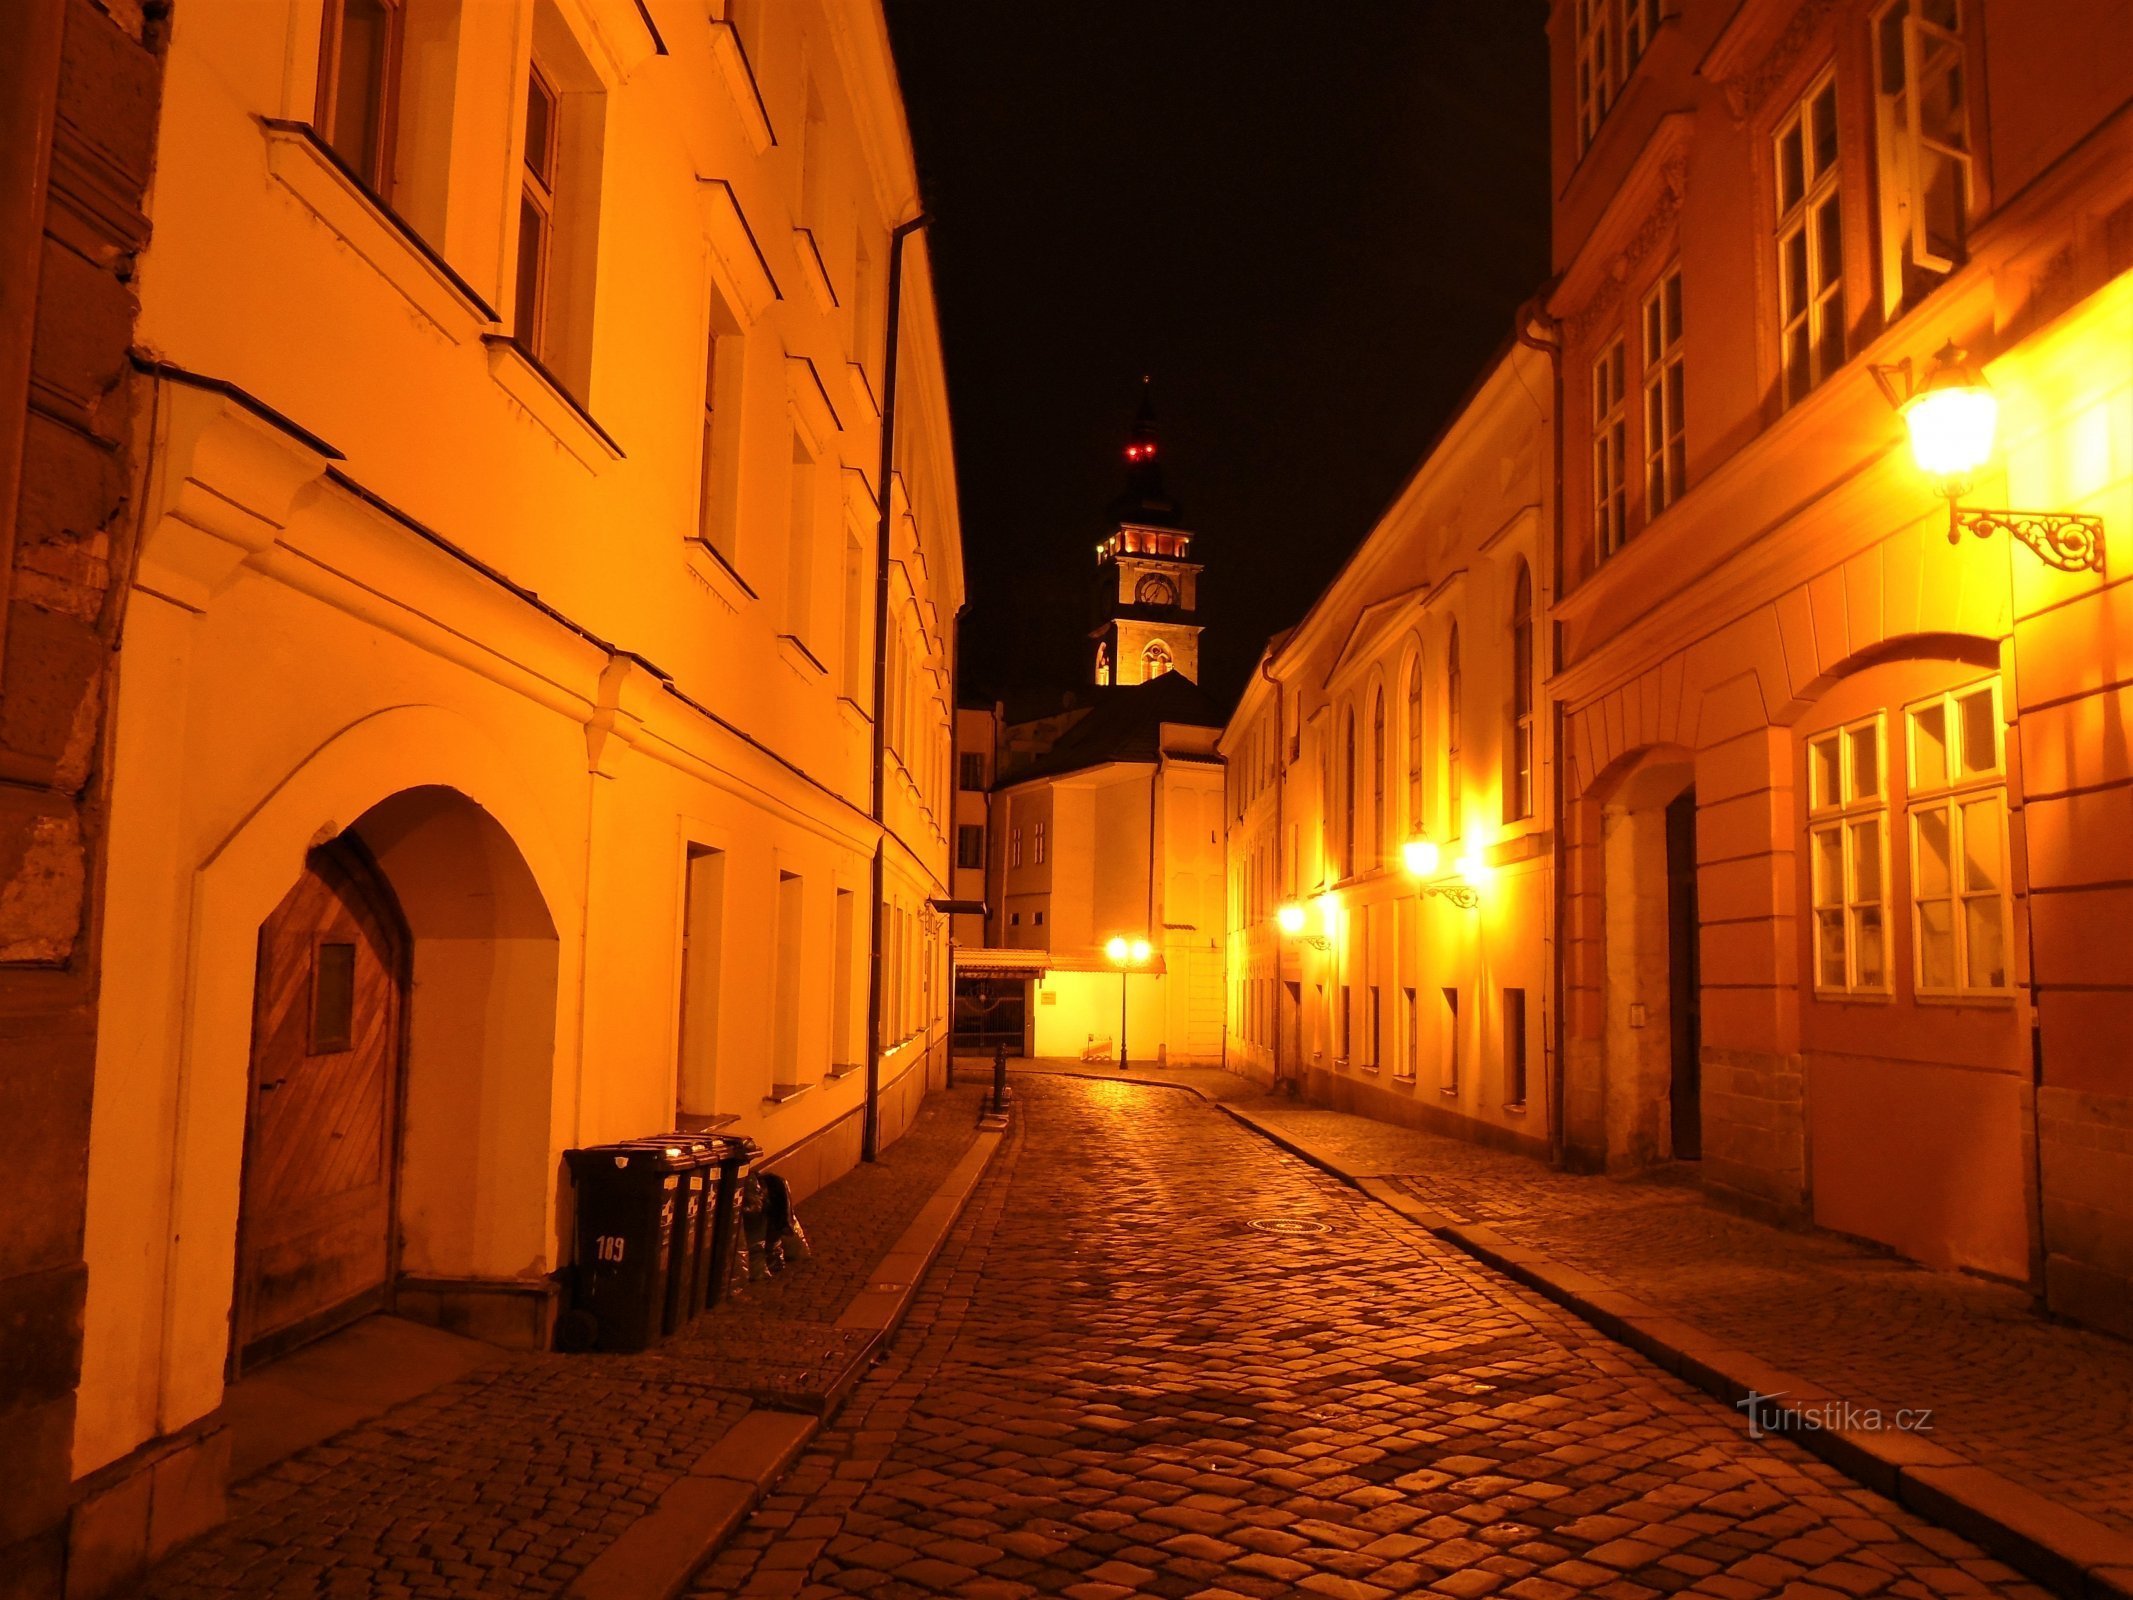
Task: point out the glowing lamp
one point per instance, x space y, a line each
1290 919
1329 913
1419 857
1951 416
1140 951
1117 949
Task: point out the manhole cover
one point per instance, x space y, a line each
1289 1225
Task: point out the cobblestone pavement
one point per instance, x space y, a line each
510 1481
2047 1405
1160 1357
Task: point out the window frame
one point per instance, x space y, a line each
327 98
529 322
1909 267
1662 325
1518 789
1842 818
1454 730
1823 317
1610 448
1952 798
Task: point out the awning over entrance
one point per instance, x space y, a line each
1002 963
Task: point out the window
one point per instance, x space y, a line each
1454 778
333 976
1922 140
1518 746
1612 37
971 771
1014 919
1014 847
1155 661
1958 807
855 658
1380 813
1450 1085
846 1046
1346 1042
1610 451
1411 1022
1665 442
1810 243
1514 1048
801 531
1847 846
703 915
1377 1036
1319 1023
1037 841
1103 665
785 988
717 521
1347 799
970 845
1037 919
1414 744
536 215
358 86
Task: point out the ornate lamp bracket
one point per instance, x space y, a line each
2067 540
1460 894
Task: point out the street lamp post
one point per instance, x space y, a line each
1125 954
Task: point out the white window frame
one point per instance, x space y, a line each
1610 448
1037 841
1906 149
1846 817
1665 395
1014 847
1953 799
1815 218
1612 36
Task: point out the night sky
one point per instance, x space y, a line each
1310 223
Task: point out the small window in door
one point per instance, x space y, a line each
332 999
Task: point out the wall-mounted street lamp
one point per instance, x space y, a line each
1125 954
1462 886
1951 415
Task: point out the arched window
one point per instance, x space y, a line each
1155 661
1380 816
1454 779
1414 744
1103 664
1518 745
1348 794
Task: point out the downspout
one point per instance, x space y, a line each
1281 783
1531 313
870 1119
955 823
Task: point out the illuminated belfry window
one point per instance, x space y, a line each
1155 661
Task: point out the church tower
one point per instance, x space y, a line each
1147 584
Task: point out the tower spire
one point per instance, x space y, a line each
1145 499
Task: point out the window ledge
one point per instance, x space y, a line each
1514 1108
853 713
535 388
685 1122
1450 1091
801 659
814 270
716 573
842 1069
782 1093
312 171
1370 1067
739 77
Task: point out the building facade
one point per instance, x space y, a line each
1845 787
1388 805
1106 871
79 84
533 726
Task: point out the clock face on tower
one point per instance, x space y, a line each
1155 591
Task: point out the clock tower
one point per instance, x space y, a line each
1147 584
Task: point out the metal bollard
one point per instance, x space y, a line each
999 1080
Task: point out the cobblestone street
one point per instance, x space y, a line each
1159 1356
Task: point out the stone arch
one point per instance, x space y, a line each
351 778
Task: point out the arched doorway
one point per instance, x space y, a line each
315 1235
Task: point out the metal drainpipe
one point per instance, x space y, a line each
1530 313
1281 783
955 819
870 1117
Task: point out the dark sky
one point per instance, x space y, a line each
1311 222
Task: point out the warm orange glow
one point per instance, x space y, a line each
1952 418
1329 913
1290 919
1473 869
1420 857
1117 948
1140 951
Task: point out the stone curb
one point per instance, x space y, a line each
655 1556
2067 1551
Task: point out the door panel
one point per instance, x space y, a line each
315 1229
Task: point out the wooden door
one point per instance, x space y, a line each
314 1233
1684 979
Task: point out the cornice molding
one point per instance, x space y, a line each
1643 211
1754 54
